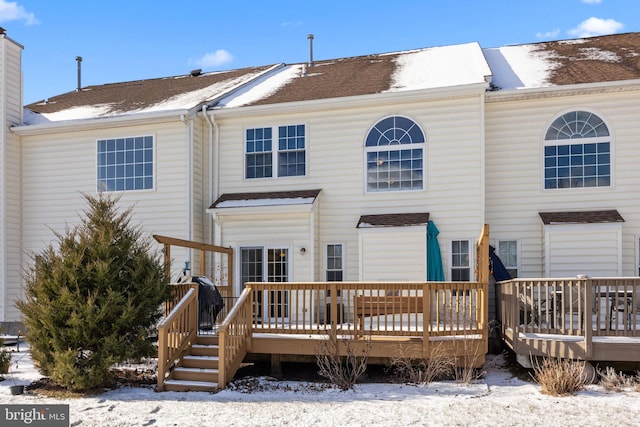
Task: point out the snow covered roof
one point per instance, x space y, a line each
589 60
393 220
272 198
436 67
581 217
140 96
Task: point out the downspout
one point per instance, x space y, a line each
214 168
215 229
189 137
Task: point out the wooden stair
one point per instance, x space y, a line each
198 370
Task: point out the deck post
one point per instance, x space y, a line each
203 262
333 310
426 318
162 358
588 295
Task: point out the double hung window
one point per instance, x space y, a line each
460 260
287 155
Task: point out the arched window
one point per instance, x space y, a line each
394 152
577 152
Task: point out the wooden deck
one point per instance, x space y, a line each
288 319
593 319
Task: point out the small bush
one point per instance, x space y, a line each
465 371
613 380
558 377
343 371
438 366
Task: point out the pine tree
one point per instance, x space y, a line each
91 301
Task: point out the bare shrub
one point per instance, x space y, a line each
613 380
437 366
465 371
343 371
558 377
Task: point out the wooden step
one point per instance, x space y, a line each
207 340
204 362
194 374
182 385
204 350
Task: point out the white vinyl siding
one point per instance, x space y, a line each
393 254
514 172
591 249
52 201
335 165
11 251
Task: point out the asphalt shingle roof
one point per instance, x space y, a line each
581 217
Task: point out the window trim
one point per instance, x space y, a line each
154 162
275 152
395 147
326 259
518 255
471 258
557 142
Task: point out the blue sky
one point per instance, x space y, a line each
122 40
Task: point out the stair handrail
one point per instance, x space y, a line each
234 337
177 333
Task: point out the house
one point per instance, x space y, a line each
331 170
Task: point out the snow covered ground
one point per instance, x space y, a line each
498 400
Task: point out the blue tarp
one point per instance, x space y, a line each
435 273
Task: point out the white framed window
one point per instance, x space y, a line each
125 164
508 251
334 262
268 264
394 156
460 260
287 156
577 152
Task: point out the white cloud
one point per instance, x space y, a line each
596 27
548 35
12 11
216 58
592 1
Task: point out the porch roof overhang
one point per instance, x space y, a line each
581 217
299 201
394 220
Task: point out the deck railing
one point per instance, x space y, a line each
177 332
379 308
234 337
584 307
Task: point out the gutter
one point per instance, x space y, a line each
564 90
100 123
356 101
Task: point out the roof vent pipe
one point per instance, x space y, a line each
310 37
79 60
